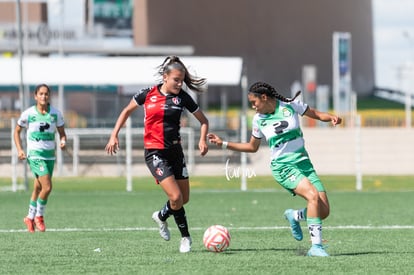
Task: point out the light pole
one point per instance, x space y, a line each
20 52
22 98
405 74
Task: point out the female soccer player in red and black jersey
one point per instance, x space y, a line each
163 105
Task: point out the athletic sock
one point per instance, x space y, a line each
181 221
165 212
32 210
315 230
300 214
41 207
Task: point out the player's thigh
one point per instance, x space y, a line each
307 190
171 189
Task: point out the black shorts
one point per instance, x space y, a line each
163 163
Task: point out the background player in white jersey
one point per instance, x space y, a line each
42 121
277 119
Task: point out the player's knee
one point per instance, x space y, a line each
37 189
313 196
47 189
176 201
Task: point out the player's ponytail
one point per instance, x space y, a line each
260 88
174 62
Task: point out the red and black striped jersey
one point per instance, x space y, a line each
162 116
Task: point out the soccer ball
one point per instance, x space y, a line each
216 238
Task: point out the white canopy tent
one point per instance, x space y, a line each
81 70
88 70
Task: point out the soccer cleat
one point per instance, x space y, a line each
294 225
30 224
40 224
185 244
164 232
317 250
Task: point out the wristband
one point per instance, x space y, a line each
224 145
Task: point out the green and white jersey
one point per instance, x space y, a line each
281 129
41 129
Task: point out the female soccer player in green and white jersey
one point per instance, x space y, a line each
41 121
277 119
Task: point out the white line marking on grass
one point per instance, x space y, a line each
369 227
241 228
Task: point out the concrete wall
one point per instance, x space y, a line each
337 151
333 151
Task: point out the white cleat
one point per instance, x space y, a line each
164 232
185 244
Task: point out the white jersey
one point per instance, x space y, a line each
282 128
41 129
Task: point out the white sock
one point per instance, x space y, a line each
32 211
315 231
40 211
300 214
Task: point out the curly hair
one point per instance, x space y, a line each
174 62
260 88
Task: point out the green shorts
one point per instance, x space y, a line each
288 175
41 167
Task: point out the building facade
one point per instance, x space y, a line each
275 38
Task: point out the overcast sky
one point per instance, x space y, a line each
393 39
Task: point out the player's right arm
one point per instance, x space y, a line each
20 152
249 147
113 144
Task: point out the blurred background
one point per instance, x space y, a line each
350 57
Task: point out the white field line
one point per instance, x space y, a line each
242 228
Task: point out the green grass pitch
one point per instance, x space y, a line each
95 227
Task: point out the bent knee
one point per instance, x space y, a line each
313 197
47 189
176 201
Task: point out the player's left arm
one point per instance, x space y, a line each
322 116
202 144
62 137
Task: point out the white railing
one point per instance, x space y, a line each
333 151
74 137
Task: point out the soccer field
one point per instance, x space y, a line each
95 227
